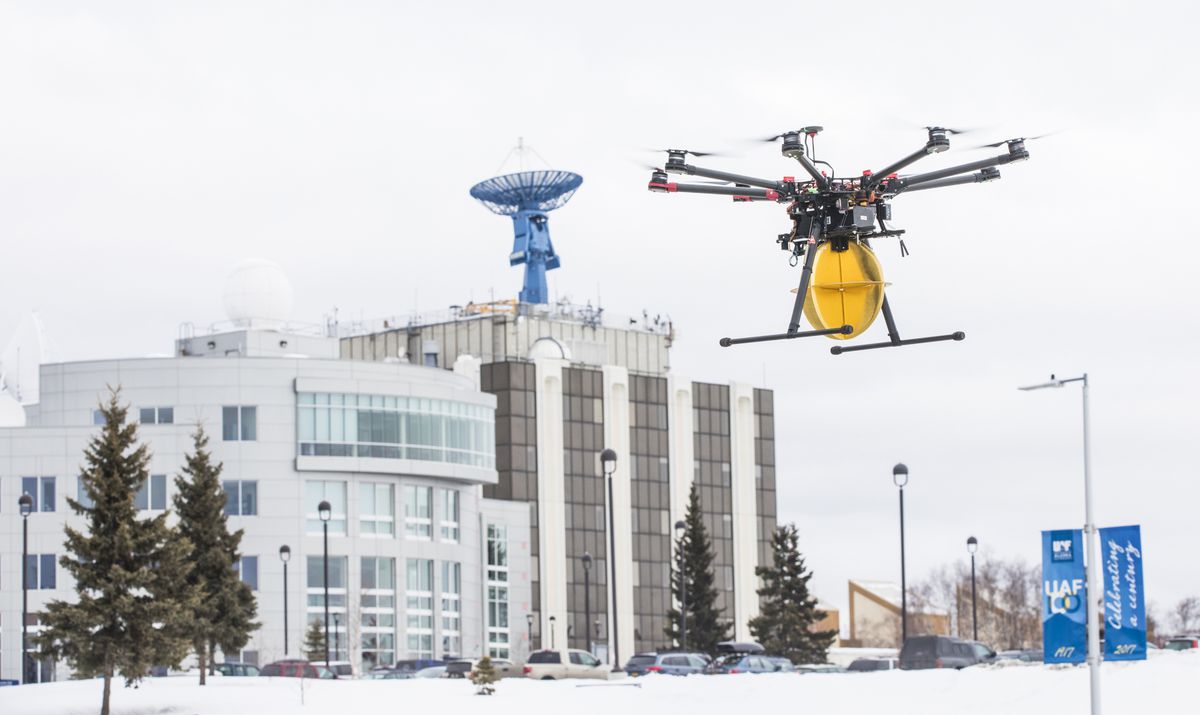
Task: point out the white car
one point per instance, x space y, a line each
558 664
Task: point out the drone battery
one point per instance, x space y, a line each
864 217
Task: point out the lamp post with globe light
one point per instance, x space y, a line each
900 478
325 511
285 555
608 461
25 503
972 546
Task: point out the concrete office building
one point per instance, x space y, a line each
567 385
422 563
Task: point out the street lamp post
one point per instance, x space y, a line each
900 478
552 619
285 554
587 598
608 461
337 639
1089 532
529 629
26 506
325 511
683 599
972 546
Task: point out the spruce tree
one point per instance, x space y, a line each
224 616
314 642
133 605
787 612
693 563
484 676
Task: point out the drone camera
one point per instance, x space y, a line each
864 217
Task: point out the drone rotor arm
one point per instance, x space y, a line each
988 163
743 191
724 176
979 177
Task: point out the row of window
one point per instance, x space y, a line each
146 416
40 571
42 490
377 510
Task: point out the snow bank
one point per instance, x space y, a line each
1165 683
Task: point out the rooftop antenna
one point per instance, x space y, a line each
527 196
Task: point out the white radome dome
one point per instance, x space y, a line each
548 348
258 295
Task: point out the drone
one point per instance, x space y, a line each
834 219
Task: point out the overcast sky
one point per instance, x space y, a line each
145 148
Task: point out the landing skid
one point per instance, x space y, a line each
894 340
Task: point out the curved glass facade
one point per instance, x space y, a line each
388 427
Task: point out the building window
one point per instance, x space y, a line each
249 656
41 490
451 609
390 427
376 509
338 645
39 571
316 492
81 494
418 512
247 568
378 607
241 498
450 500
239 423
419 607
153 493
497 591
98 417
157 415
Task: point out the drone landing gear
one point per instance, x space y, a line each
894 336
793 330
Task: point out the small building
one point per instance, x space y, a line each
875 608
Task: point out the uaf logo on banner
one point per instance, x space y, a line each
1064 596
1062 550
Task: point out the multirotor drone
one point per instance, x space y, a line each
841 289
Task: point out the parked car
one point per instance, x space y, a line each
340 668
983 652
389 674
236 669
413 665
437 671
504 668
820 668
869 665
1182 643
782 665
740 663
571 663
1030 655
924 652
296 669
666 663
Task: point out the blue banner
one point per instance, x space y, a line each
1064 597
1124 600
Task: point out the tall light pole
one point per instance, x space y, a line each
608 461
683 600
285 554
900 478
972 546
552 620
26 506
337 638
587 599
325 511
1089 532
529 629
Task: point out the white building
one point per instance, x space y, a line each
421 564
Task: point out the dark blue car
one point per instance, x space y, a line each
666 663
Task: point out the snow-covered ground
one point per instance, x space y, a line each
1167 683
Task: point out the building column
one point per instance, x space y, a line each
551 496
616 437
745 507
682 427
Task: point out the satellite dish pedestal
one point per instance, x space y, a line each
527 196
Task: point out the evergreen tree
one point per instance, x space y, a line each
693 563
224 616
133 605
787 612
314 642
484 676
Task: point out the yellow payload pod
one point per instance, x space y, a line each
846 289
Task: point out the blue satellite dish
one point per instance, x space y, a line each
526 196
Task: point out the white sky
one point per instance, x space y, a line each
147 147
